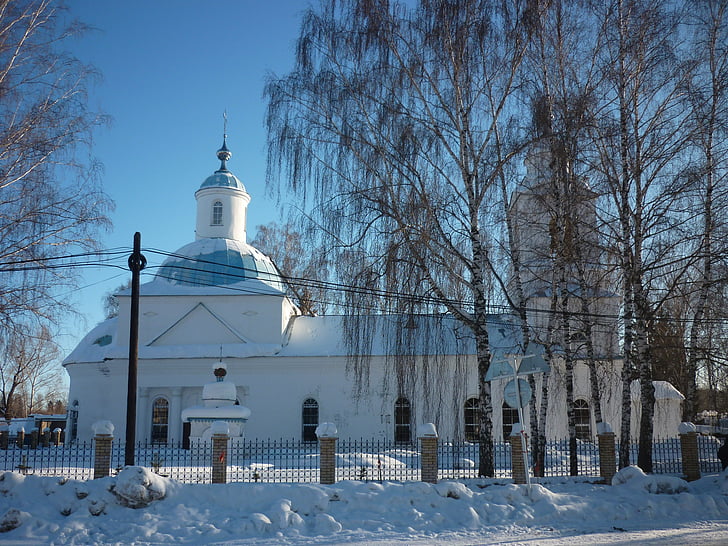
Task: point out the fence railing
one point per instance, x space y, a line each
290 461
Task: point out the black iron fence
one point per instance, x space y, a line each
290 461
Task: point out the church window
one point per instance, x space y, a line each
472 420
160 421
402 419
510 418
217 213
582 419
310 417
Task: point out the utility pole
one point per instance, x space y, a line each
137 262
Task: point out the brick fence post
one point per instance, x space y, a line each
220 437
34 439
102 455
20 440
57 436
427 434
607 452
103 436
45 438
4 434
327 436
518 462
689 449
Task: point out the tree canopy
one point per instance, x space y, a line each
51 203
404 127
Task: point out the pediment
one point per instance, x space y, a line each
199 326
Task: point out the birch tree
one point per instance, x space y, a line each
708 100
564 77
51 203
641 141
387 126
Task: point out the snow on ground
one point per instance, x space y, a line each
138 506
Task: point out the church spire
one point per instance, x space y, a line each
223 154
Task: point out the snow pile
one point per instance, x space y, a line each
138 506
137 487
632 476
103 428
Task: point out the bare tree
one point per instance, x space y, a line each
564 254
28 369
708 100
388 124
111 302
304 267
50 201
642 134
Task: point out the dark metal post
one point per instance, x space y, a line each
137 261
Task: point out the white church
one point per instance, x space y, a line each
219 304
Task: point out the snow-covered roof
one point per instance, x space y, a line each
247 287
323 336
209 413
389 334
219 393
664 390
101 344
218 262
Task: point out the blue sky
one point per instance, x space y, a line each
170 69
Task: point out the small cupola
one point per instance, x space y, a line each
222 203
219 393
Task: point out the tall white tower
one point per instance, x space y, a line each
547 223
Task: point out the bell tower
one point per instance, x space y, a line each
222 203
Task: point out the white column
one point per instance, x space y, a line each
144 417
175 415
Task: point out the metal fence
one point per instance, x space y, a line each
290 461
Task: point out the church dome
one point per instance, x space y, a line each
223 178
218 262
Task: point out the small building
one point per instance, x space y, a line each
219 403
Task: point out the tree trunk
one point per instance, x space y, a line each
647 391
627 376
486 466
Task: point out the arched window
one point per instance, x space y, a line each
472 420
402 418
582 419
217 213
160 421
309 418
510 417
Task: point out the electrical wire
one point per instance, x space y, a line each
239 273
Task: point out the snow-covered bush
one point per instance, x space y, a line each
137 487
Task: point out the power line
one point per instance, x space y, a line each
241 273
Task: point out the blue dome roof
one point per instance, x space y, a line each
223 179
218 262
